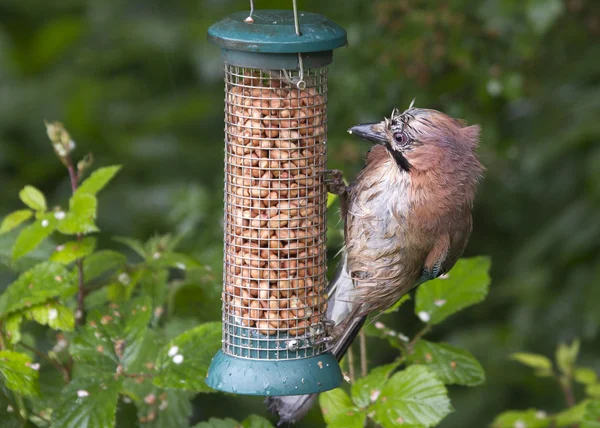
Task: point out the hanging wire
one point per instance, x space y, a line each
296 21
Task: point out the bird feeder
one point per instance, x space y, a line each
274 273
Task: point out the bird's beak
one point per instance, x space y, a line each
369 131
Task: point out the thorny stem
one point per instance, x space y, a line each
567 389
80 314
364 365
417 337
351 365
62 369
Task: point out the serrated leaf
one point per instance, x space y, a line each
123 287
176 261
454 366
154 284
71 251
14 219
527 418
101 262
415 397
585 376
172 409
81 216
218 423
466 284
339 411
88 402
535 361
40 283
184 362
33 198
366 390
12 326
134 244
98 180
591 416
33 235
566 355
571 416
593 390
113 336
17 373
52 314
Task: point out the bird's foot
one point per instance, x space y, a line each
335 182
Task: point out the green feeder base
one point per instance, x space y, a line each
268 377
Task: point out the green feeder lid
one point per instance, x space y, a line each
270 41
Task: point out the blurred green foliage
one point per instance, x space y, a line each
138 85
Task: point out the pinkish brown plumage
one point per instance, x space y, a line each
407 220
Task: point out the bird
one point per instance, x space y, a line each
407 219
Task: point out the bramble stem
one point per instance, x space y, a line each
351 365
364 365
63 370
80 313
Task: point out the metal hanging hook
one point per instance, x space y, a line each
250 20
300 83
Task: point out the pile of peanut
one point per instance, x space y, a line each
275 220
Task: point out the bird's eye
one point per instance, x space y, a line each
400 138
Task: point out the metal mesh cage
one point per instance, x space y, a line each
275 213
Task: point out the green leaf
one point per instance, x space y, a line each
81 216
366 389
13 220
255 421
339 411
585 376
183 363
88 402
593 390
171 408
566 355
414 396
154 284
33 235
331 198
123 287
466 284
101 262
12 326
454 366
541 364
52 314
17 373
571 416
591 417
133 244
98 180
113 336
73 250
40 283
33 198
219 423
527 418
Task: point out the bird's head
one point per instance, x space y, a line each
423 138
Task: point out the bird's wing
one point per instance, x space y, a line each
447 249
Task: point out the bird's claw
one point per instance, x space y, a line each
335 182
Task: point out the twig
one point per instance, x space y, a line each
62 369
418 336
80 313
351 365
567 389
364 365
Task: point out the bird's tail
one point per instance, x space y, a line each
344 313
